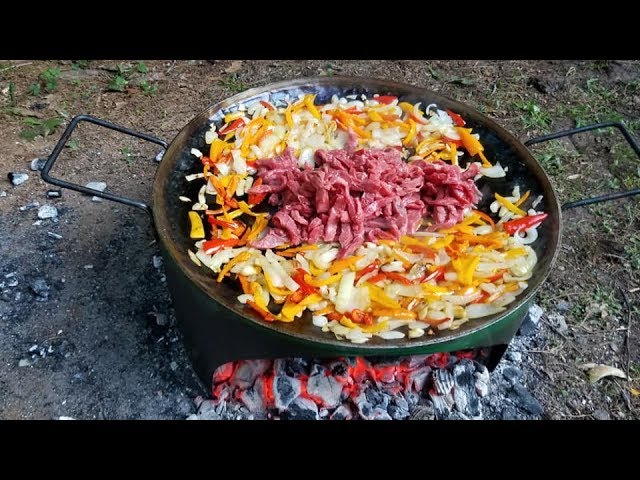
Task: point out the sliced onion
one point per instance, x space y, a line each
477 310
496 171
345 291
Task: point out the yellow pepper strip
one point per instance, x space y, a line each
258 227
233 184
314 270
229 135
230 117
378 327
290 309
442 242
226 234
491 240
288 116
343 264
430 289
405 261
378 295
197 228
523 198
472 145
245 208
256 291
308 101
406 107
515 252
244 256
454 154
314 282
217 146
510 206
375 116
400 313
324 311
510 287
234 214
272 288
465 267
412 133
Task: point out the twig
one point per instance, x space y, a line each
11 67
627 343
568 294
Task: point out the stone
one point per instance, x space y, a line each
99 186
558 322
29 206
40 288
600 414
24 363
54 193
47 211
528 327
512 375
159 156
514 356
3 194
535 313
509 413
173 366
37 164
563 306
17 178
523 399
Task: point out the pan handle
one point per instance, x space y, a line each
90 191
596 126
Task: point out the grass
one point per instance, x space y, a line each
126 73
126 155
553 156
632 249
233 83
147 88
532 116
37 127
47 81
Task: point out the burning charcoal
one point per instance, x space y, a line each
377 398
412 398
301 409
442 380
341 413
399 408
296 366
252 398
482 380
17 178
245 375
339 369
418 378
442 404
464 394
285 390
417 361
223 372
325 387
207 411
422 412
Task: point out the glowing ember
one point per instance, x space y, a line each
346 388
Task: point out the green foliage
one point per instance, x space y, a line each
36 127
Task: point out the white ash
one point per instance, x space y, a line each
99 186
37 164
3 194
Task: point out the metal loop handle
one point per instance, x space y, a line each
596 126
90 191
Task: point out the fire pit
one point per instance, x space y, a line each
217 329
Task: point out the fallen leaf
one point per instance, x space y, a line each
634 392
234 67
574 177
597 372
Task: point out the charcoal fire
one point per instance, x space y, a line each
438 386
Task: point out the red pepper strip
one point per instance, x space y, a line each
265 314
358 316
386 99
256 198
436 275
457 143
497 276
481 298
377 278
353 110
457 119
222 223
307 289
368 269
266 105
296 297
212 246
206 160
334 316
231 127
523 223
399 278
422 249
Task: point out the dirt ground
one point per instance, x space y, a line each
103 343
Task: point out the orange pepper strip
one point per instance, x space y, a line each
245 284
485 217
522 199
265 314
345 263
400 313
